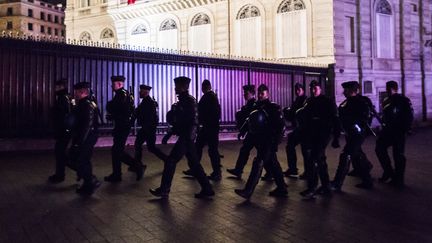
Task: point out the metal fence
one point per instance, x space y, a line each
29 68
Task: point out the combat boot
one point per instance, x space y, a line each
279 192
56 179
235 172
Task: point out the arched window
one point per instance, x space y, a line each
167 37
200 36
248 35
139 36
85 36
107 35
291 25
384 30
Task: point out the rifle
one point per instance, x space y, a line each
93 99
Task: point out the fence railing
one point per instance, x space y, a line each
30 66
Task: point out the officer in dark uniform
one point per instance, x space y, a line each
248 143
397 118
317 119
147 118
120 110
359 161
84 137
184 121
294 135
61 112
354 115
265 125
209 114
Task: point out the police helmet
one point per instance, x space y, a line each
258 122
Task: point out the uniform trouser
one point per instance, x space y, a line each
60 147
361 159
395 139
266 158
118 153
315 163
353 152
148 136
210 137
183 146
293 141
85 151
248 145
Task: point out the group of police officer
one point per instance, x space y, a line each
261 123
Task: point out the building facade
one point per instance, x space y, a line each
32 18
371 41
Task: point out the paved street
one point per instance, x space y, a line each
33 211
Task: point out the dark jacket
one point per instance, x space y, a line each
120 108
290 112
86 121
397 113
317 119
267 126
209 112
60 111
354 114
244 112
185 116
146 113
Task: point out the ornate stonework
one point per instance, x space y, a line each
383 7
85 36
107 34
139 29
291 5
168 24
200 19
248 11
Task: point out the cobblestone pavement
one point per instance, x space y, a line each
33 211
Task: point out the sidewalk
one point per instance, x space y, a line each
31 210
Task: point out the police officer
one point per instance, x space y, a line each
147 118
354 114
397 118
359 161
265 127
61 112
120 110
184 121
241 116
209 114
84 137
294 135
317 119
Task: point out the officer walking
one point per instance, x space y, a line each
184 121
317 119
147 118
209 114
354 114
397 118
248 143
84 137
120 110
61 111
294 135
265 127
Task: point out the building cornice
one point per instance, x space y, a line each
144 8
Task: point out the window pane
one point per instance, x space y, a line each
200 38
349 34
292 34
384 36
